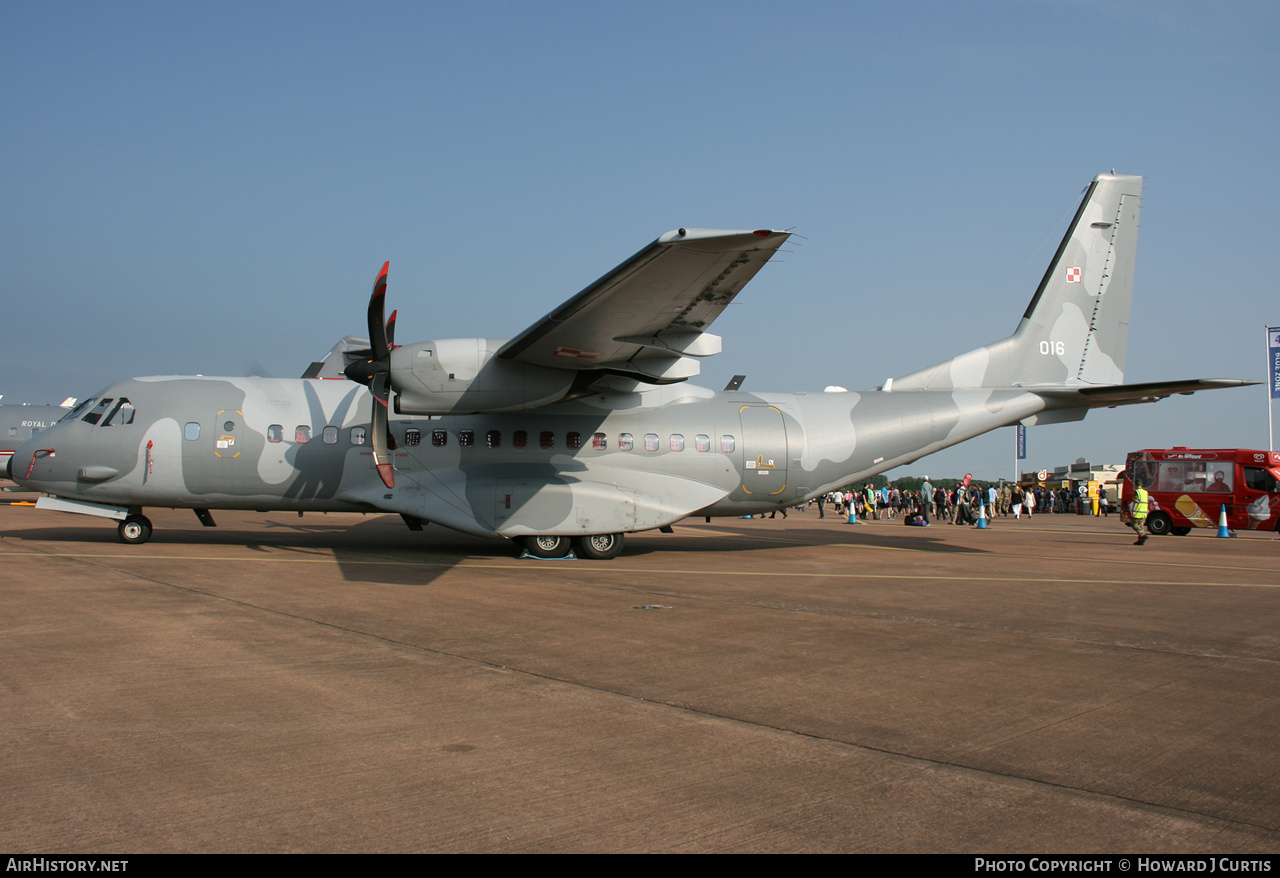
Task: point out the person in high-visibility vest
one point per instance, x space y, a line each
1138 512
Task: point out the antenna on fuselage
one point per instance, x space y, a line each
734 383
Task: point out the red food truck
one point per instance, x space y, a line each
1189 487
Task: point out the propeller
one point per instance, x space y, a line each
375 373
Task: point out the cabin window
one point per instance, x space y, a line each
357 436
626 442
546 439
121 415
493 438
650 441
599 441
302 434
275 433
702 442
573 440
330 435
13 431
95 414
439 438
727 443
677 442
466 438
412 436
191 431
519 439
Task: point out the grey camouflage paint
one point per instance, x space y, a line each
786 447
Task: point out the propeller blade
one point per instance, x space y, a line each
374 370
377 327
381 453
379 386
377 360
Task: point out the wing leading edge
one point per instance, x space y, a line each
648 317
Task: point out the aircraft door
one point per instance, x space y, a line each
226 425
764 450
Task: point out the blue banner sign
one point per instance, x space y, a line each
1273 357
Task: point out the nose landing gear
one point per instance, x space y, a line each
134 530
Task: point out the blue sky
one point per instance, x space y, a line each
211 188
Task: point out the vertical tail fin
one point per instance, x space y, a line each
1075 332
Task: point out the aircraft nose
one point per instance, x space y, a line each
21 461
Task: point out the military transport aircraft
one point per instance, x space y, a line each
582 428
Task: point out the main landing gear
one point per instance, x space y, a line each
597 547
134 530
547 547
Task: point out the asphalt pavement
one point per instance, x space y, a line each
340 683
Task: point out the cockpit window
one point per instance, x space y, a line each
121 415
78 410
95 414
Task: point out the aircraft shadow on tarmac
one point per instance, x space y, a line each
917 539
381 549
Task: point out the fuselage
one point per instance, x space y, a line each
617 461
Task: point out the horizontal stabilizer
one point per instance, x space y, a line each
1150 391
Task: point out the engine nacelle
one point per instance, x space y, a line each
461 376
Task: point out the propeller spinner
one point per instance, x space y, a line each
375 373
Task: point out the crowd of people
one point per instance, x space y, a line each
960 504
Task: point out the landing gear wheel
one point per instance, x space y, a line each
547 547
599 547
134 530
1159 524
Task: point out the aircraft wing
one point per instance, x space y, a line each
332 364
648 317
